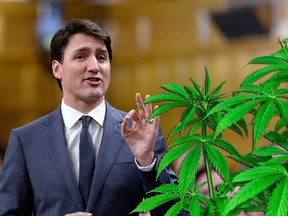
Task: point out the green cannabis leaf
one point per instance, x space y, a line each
262 184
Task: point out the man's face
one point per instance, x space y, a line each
85 71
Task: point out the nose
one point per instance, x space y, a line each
93 65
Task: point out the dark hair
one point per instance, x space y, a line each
62 36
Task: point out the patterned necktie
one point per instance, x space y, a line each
87 161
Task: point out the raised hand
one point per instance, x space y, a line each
141 136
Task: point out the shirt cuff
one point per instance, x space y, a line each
146 168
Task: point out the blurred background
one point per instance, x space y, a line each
154 43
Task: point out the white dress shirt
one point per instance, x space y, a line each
73 126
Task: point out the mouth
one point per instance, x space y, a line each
94 80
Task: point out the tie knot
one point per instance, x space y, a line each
86 121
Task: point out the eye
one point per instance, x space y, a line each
102 57
80 57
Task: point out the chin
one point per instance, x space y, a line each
95 98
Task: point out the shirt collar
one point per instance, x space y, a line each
71 115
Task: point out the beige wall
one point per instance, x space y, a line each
26 89
154 43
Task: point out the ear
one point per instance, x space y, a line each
56 68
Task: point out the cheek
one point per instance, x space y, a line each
72 73
70 79
108 79
108 76
106 73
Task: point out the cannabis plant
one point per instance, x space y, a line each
262 184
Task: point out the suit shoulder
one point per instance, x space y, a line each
43 120
116 113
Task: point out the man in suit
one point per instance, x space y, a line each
42 166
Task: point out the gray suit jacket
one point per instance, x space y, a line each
38 175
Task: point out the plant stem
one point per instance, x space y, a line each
209 177
207 166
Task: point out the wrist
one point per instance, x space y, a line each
146 160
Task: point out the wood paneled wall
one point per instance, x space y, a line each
154 43
26 89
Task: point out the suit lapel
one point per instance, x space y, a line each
110 146
57 149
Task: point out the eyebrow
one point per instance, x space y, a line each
85 49
101 50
